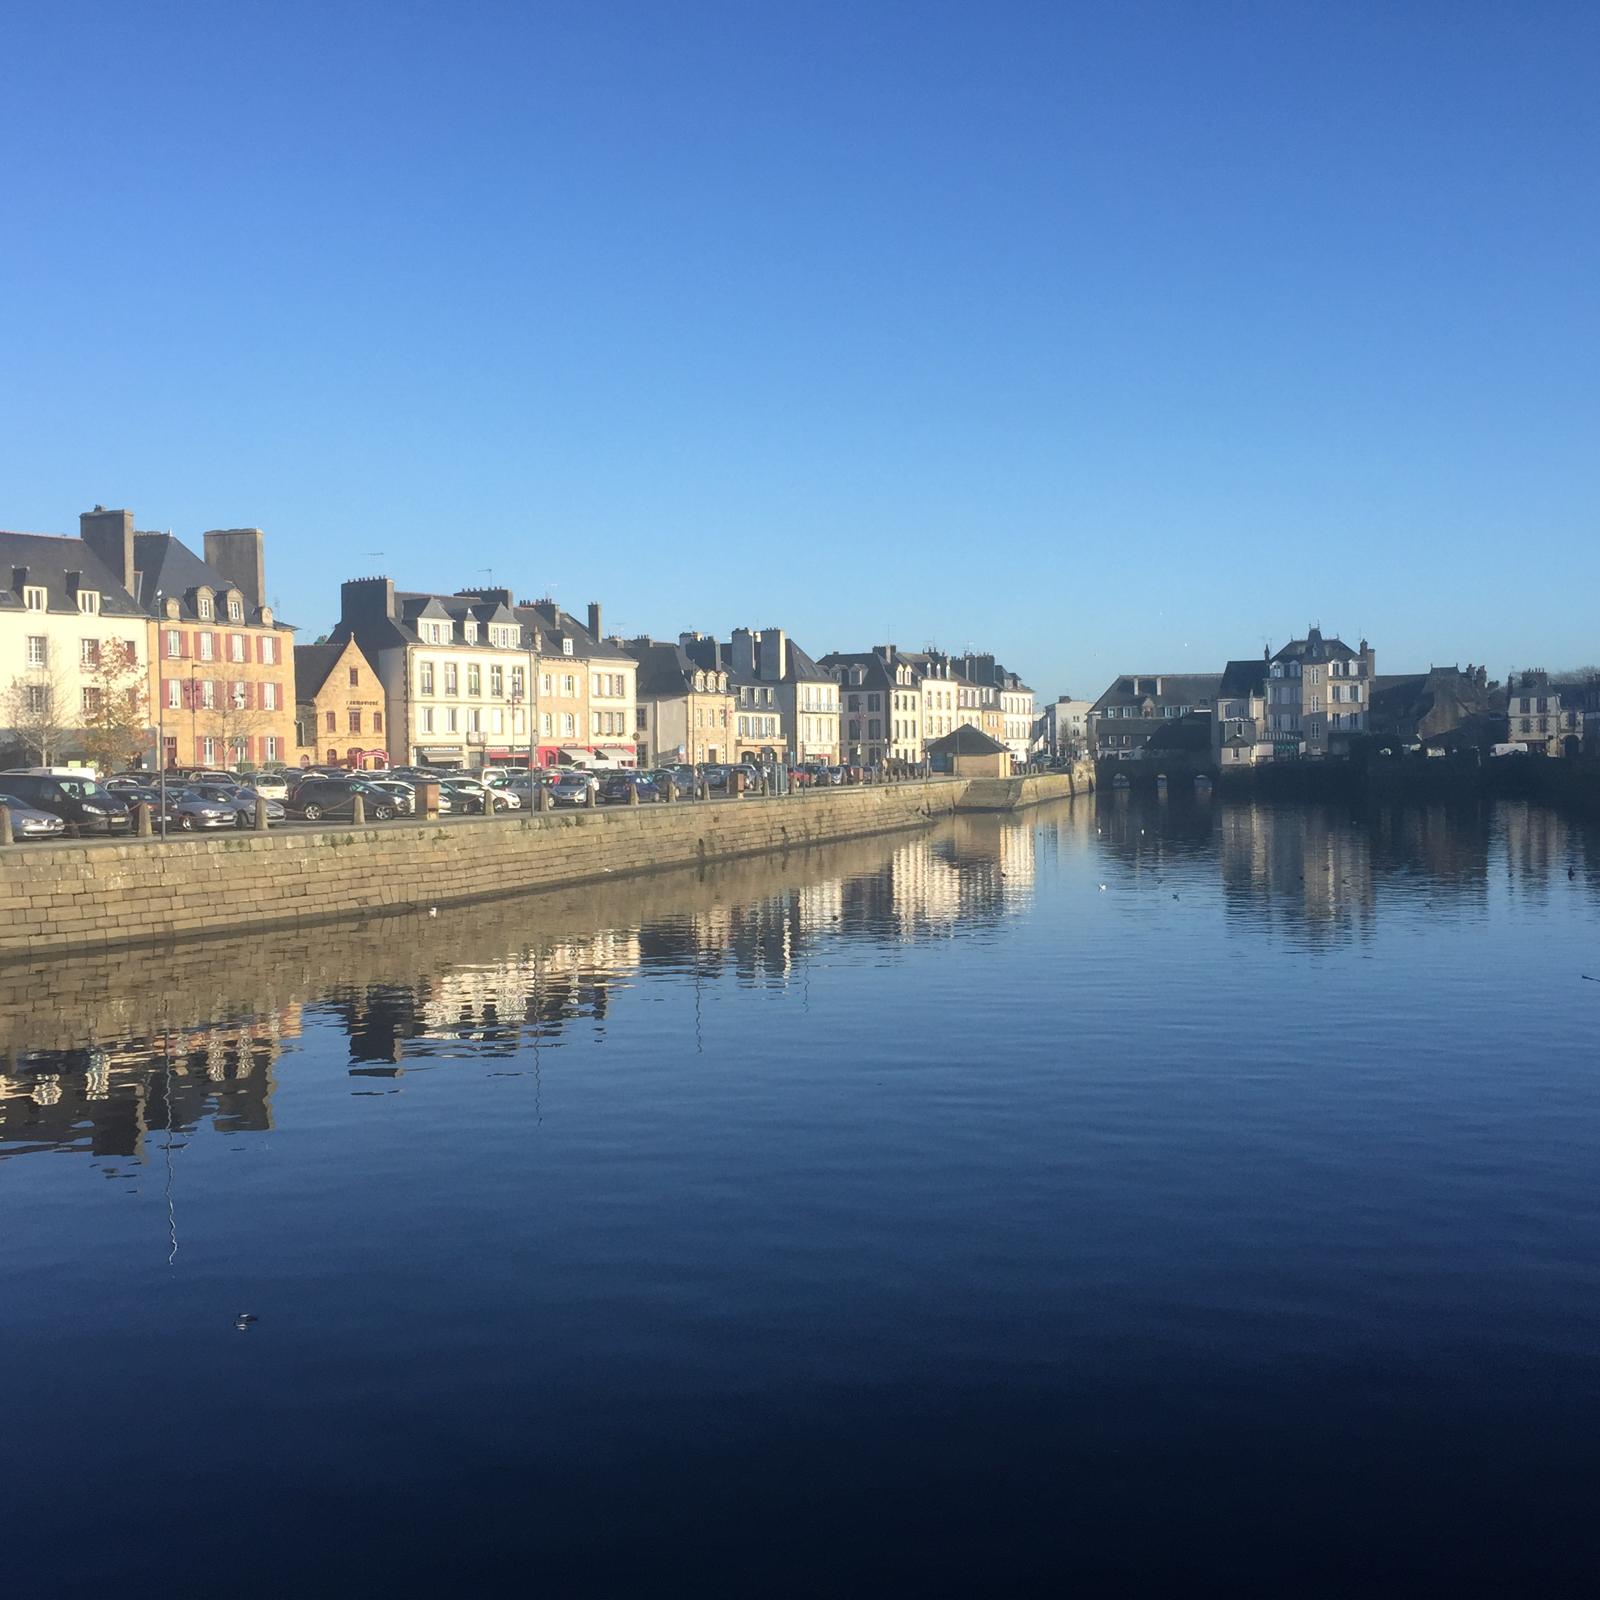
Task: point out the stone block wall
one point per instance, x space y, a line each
100 894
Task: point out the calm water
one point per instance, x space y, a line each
1148 1195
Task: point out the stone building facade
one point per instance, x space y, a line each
340 708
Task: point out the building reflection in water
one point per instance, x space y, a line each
89 1046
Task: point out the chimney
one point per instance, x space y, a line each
364 601
110 535
237 553
774 655
549 610
594 618
742 648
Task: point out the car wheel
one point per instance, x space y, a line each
312 812
185 821
382 813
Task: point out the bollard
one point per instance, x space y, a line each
669 791
261 815
633 793
358 810
736 782
5 825
544 796
141 819
591 796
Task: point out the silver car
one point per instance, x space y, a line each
192 810
29 823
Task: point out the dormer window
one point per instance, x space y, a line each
566 647
469 630
205 609
34 598
235 608
89 602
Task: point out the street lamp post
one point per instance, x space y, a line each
161 722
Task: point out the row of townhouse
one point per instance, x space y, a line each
895 703
127 646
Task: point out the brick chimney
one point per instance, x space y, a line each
594 618
110 535
239 555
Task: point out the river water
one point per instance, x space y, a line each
1150 1194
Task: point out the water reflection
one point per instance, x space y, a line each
88 1047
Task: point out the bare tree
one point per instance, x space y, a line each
116 706
37 706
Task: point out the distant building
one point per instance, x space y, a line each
1317 695
222 666
1412 708
1123 719
1239 736
754 727
1061 730
969 753
807 697
1538 717
338 708
685 711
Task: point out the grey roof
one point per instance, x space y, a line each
48 560
874 670
312 664
1176 689
1242 679
1315 648
547 622
966 741
665 669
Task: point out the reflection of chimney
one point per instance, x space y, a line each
110 535
594 618
237 553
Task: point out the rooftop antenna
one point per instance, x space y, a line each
372 555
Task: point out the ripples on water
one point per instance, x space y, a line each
1145 1194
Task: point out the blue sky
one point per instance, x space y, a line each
1106 337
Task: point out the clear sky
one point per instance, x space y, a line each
1105 337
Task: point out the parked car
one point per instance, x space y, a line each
194 809
317 798
28 822
81 803
404 796
716 777
572 788
501 798
272 785
620 786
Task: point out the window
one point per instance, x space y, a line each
355 677
427 719
269 650
566 647
88 602
451 723
235 608
207 644
516 682
452 683
355 721
377 722
208 750
569 686
474 720
331 722
204 609
91 700
269 697
239 696
469 631
475 681
545 681
89 653
174 643
545 725
38 650
269 747
33 599
174 694
425 678
497 683
208 694
569 725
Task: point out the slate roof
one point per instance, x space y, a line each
967 741
1243 679
1315 648
312 664
49 558
665 669
1177 689
875 673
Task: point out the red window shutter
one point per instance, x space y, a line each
183 643
249 696
261 654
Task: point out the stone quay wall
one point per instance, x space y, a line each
101 893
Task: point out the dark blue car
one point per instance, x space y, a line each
615 787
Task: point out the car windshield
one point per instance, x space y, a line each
81 788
